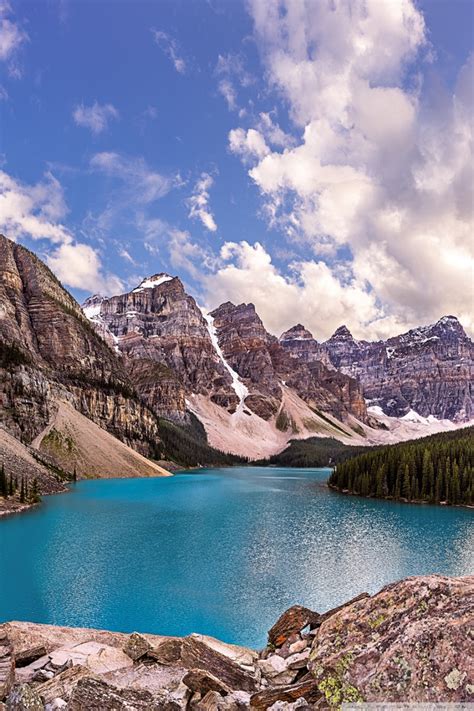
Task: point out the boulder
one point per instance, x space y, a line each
233 665
136 646
26 656
236 701
412 641
326 615
298 661
7 666
210 702
99 658
292 621
298 646
95 695
166 652
61 685
24 698
27 674
307 689
202 682
276 670
56 705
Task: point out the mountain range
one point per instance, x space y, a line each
126 364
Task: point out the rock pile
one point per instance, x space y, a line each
413 641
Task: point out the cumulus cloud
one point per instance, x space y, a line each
199 202
79 266
311 293
248 144
381 169
96 117
170 48
33 211
37 212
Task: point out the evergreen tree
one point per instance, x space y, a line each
406 489
35 497
436 469
3 482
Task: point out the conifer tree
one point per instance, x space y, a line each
434 469
3 482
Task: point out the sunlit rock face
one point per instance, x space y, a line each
265 363
165 339
429 370
300 344
50 352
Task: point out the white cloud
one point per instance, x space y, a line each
36 212
188 255
199 202
12 36
313 294
272 131
96 117
249 144
142 183
227 89
379 170
171 49
125 254
33 211
79 266
231 71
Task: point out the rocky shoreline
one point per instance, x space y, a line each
412 641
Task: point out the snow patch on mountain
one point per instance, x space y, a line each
240 389
413 416
91 309
152 282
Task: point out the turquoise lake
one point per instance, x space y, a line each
221 552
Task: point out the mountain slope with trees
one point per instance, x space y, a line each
436 469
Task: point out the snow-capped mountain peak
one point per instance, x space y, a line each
152 281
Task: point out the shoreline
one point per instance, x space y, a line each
418 502
80 668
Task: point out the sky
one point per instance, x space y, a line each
313 157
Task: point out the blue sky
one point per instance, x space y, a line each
282 153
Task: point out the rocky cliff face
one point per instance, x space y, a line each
49 352
173 352
300 344
410 642
265 363
429 370
167 345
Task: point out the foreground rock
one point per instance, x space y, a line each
413 641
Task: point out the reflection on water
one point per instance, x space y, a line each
222 552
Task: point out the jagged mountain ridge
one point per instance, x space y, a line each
157 326
155 353
427 371
227 355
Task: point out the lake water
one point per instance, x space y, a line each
222 552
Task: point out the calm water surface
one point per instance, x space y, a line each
222 551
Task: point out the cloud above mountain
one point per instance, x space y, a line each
382 169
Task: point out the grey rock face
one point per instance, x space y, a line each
429 370
165 339
50 352
265 362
